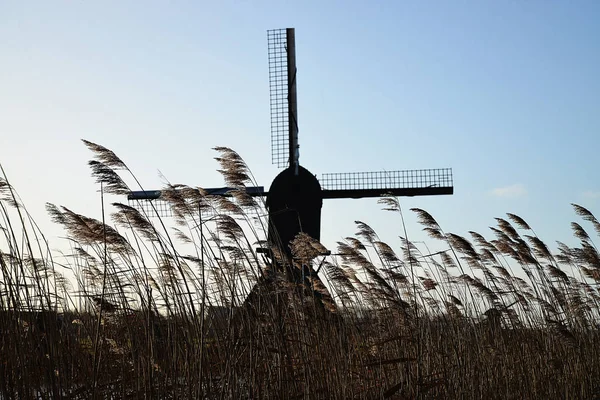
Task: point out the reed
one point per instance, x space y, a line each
186 307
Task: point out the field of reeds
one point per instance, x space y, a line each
142 306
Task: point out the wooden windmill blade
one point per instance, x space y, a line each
155 205
283 98
254 191
356 185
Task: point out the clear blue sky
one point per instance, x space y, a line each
507 93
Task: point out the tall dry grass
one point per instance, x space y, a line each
187 308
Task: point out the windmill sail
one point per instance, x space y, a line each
153 204
223 191
278 92
282 90
419 182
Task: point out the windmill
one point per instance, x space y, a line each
295 198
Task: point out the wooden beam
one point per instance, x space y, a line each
406 192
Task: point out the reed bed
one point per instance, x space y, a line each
146 307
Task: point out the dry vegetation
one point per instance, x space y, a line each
193 311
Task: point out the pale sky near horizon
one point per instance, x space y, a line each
506 93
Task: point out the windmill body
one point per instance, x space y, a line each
295 197
294 202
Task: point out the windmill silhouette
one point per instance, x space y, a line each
295 198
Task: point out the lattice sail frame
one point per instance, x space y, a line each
407 179
151 203
278 92
154 208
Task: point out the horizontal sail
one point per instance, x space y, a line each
419 182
